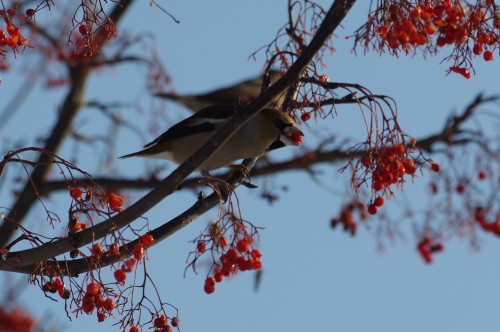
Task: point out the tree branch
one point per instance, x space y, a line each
453 126
72 104
77 266
50 250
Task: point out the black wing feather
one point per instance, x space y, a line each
195 123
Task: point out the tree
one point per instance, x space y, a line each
384 162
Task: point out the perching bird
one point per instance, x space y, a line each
270 129
242 92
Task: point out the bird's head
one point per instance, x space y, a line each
283 129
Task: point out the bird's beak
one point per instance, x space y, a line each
291 135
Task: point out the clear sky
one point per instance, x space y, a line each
315 278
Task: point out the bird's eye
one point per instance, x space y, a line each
280 124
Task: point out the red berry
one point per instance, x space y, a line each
108 304
440 41
11 12
372 209
305 116
408 26
88 307
416 12
482 175
383 30
97 250
242 263
88 303
115 202
101 316
76 193
256 254
83 29
488 56
477 49
134 329
296 138
210 281
379 201
113 250
465 73
231 256
377 185
427 256
218 277
120 276
175 321
242 246
460 188
209 289
93 288
256 264
435 167
430 29
366 161
160 321
147 240
98 301
223 241
30 12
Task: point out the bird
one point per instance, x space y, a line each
268 130
243 92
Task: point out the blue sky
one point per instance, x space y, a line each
314 278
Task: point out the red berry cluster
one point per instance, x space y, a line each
94 299
56 286
388 167
405 26
230 241
241 258
427 247
346 216
161 323
491 227
13 38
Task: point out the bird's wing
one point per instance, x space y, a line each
207 119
